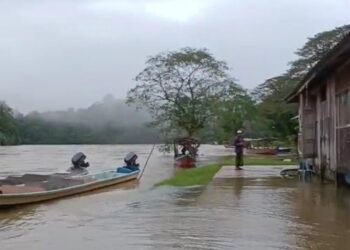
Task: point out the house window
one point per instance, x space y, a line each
343 108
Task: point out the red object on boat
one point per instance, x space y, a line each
185 161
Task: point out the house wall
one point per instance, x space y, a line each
342 96
308 125
318 136
325 124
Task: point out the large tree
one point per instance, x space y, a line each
276 115
180 87
314 49
234 110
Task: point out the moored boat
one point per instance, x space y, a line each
269 151
283 150
265 146
185 152
262 151
32 188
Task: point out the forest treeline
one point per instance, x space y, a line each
109 121
260 112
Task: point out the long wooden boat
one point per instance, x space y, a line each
283 150
185 161
32 188
262 151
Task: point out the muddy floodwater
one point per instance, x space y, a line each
266 213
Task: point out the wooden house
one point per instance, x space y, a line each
324 114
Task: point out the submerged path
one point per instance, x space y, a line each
229 172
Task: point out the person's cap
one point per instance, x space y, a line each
239 131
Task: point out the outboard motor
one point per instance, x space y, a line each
78 160
130 159
131 165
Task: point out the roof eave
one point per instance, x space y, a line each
293 97
338 49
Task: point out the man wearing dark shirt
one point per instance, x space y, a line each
239 147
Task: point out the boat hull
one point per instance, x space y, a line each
284 150
34 197
262 151
185 161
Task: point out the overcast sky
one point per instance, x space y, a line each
56 54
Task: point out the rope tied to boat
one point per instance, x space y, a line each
149 156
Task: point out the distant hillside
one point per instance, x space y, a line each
107 122
109 111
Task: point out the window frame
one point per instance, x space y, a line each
342 102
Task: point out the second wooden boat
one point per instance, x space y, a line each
262 151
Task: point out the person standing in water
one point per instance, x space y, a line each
239 147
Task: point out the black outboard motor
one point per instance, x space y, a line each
78 160
130 159
131 165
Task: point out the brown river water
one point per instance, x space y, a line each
268 213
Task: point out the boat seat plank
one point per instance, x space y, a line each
11 189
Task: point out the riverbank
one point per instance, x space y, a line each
192 177
203 175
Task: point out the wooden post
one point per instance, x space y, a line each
333 127
301 108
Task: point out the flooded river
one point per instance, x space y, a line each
269 213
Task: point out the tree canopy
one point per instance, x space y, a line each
314 49
180 87
187 92
234 110
276 115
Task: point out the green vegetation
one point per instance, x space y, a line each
110 121
230 112
273 114
192 177
8 126
182 96
203 175
180 89
186 92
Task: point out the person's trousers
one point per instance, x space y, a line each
239 159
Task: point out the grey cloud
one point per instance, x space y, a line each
60 54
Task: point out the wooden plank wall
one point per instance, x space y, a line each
332 125
342 83
343 155
308 126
